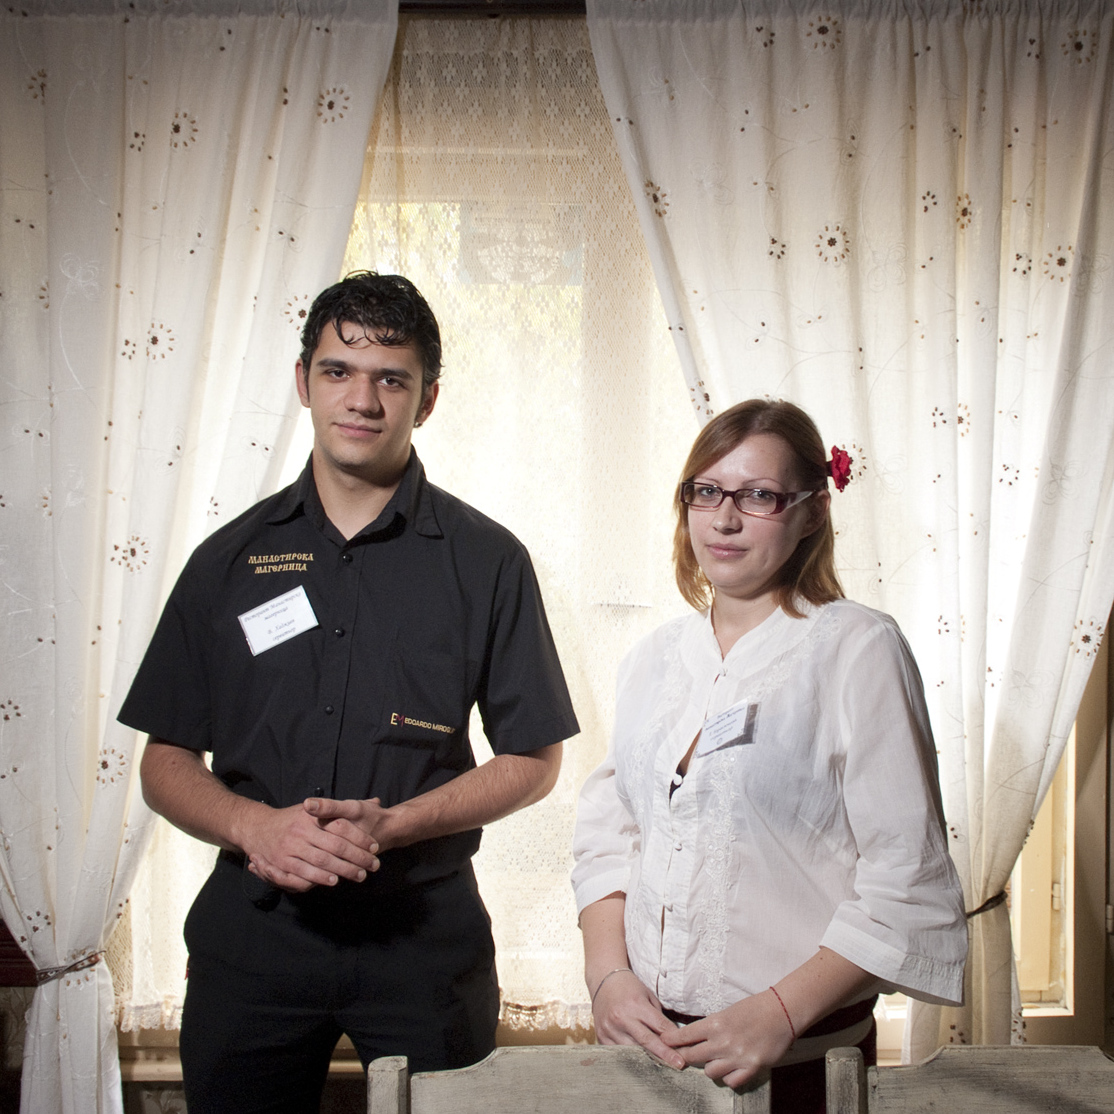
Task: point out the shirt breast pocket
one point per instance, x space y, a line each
429 699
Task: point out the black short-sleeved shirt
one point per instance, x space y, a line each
429 610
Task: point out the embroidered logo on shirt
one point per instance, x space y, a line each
279 562
399 720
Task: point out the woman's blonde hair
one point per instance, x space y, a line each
810 573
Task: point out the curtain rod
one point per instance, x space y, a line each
492 8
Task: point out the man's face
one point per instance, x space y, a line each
364 399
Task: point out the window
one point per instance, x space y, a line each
1058 892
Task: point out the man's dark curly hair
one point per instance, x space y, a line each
388 308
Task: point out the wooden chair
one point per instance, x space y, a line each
962 1079
557 1079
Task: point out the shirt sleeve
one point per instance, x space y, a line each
524 702
606 840
905 921
169 696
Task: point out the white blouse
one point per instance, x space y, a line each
814 819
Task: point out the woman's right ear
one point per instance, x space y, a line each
818 508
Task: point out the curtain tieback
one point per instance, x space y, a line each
990 903
49 974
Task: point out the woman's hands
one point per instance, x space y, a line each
738 1042
755 1032
732 1045
626 1012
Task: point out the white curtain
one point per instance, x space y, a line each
176 182
494 182
901 216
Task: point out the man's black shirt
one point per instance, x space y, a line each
429 610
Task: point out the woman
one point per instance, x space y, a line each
763 849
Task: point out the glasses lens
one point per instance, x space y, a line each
701 495
758 501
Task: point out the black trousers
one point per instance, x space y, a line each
801 1088
270 991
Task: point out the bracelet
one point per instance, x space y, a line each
605 978
792 1029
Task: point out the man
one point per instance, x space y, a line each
328 646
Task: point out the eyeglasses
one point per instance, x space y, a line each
749 500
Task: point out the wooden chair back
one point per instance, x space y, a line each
968 1079
557 1079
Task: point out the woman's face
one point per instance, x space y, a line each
740 554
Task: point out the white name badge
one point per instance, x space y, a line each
277 620
732 728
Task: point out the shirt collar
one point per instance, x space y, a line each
421 511
412 502
773 635
292 501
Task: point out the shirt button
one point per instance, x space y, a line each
339 632
328 709
316 791
346 558
676 846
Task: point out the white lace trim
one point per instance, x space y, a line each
164 1015
638 760
574 1017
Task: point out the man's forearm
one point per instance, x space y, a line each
285 846
499 787
178 785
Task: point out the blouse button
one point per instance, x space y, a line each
677 846
346 558
328 709
339 632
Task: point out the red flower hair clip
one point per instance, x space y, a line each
839 467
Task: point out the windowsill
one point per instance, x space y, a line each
168 1069
151 1056
1046 1011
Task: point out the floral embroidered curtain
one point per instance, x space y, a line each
901 216
176 182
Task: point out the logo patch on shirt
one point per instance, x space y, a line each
274 622
399 720
279 562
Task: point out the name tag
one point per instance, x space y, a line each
277 620
732 728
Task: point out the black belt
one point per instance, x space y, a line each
838 1019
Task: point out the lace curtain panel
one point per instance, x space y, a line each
163 222
901 216
493 181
